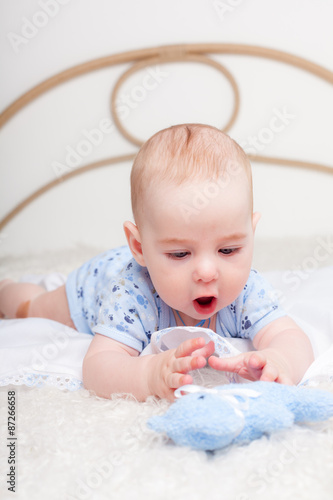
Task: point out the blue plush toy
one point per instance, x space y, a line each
210 419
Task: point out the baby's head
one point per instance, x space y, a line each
194 226
189 153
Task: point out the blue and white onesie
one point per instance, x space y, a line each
113 295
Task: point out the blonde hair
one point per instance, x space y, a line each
182 153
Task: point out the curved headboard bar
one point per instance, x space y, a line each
169 52
285 162
142 58
118 159
157 60
52 184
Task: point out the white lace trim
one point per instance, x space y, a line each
63 382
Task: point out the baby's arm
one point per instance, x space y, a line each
283 354
111 367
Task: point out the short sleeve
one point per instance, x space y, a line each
128 309
256 307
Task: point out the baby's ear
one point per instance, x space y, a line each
255 219
134 242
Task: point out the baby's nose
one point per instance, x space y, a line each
206 271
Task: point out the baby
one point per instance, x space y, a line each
192 247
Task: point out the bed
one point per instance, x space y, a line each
71 444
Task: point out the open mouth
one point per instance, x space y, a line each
205 305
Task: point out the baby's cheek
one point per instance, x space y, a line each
171 291
233 289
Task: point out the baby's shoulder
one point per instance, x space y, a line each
256 279
134 276
257 288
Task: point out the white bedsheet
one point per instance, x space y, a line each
37 351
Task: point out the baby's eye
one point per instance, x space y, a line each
178 255
227 251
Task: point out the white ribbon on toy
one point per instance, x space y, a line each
229 396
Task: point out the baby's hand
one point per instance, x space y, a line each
267 365
169 369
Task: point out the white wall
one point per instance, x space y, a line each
69 32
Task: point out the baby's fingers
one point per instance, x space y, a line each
247 365
189 346
176 380
188 363
233 364
205 351
271 373
264 369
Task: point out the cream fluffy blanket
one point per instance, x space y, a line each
73 445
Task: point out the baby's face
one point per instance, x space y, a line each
197 243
